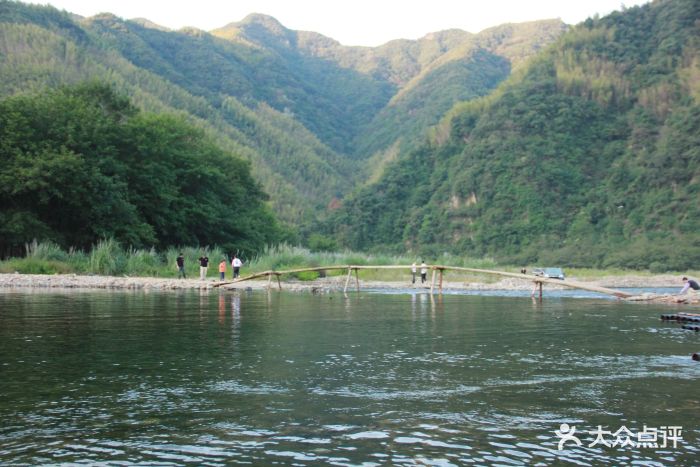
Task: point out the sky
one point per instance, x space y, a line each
354 22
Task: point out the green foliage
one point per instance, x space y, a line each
108 257
48 251
81 163
35 266
307 275
588 157
319 242
458 80
299 106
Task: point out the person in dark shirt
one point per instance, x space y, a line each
181 267
203 265
689 284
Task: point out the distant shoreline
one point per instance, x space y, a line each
324 285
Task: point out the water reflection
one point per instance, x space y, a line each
232 377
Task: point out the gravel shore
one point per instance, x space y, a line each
325 285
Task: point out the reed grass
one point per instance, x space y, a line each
107 257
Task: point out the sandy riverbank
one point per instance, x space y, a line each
329 284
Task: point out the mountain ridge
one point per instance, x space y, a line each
333 91
588 156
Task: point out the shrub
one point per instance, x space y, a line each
107 258
49 251
35 266
307 275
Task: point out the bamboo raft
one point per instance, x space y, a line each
437 275
682 317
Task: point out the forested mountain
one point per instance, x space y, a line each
528 142
43 47
306 111
588 156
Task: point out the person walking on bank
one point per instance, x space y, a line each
413 273
236 264
203 266
222 269
689 284
423 272
180 260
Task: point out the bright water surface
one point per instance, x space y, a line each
223 378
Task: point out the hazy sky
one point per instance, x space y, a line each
354 22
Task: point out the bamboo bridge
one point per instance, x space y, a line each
437 275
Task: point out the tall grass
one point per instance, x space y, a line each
107 257
44 258
48 251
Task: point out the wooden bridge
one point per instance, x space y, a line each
437 275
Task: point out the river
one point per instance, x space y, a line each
225 378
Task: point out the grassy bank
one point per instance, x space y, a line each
109 258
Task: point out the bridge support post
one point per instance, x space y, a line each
432 282
537 289
440 288
269 281
357 279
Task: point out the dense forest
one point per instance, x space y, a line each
589 157
302 108
80 164
536 142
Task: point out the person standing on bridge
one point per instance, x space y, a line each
689 284
413 273
423 272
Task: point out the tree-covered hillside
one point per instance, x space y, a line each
42 47
303 109
81 164
451 66
590 156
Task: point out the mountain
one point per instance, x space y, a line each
425 77
314 118
589 155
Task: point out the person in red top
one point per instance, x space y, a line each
222 269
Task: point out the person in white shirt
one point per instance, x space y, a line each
236 265
413 273
423 272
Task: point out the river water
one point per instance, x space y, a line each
226 378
